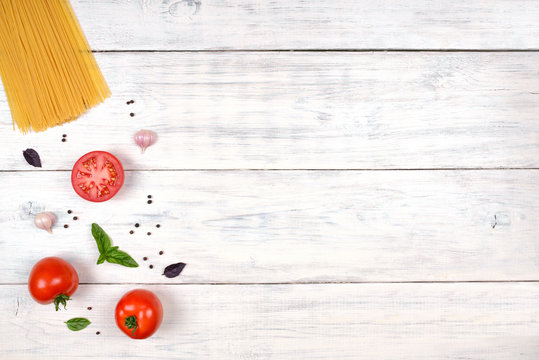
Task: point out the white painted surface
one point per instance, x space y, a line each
285 226
234 110
333 321
304 110
313 24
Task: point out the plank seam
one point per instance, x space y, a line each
315 50
299 169
303 283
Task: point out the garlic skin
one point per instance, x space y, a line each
145 138
45 221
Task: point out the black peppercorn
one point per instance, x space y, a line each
151 266
148 233
161 252
132 114
66 226
75 218
89 308
149 201
157 226
145 258
69 211
137 225
131 232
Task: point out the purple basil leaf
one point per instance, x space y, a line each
32 157
174 270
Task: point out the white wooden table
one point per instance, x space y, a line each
345 180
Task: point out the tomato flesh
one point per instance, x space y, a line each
97 176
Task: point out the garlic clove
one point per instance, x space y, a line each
145 138
45 221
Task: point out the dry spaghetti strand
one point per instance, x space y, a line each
48 71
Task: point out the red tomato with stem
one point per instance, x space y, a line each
139 313
97 176
53 280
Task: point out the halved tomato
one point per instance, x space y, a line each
97 176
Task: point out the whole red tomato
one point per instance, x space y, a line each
139 313
53 280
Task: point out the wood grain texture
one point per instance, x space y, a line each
284 226
315 24
241 231
303 110
345 321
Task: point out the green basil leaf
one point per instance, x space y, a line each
101 238
77 324
107 251
120 257
111 250
101 259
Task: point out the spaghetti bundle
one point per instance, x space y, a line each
49 73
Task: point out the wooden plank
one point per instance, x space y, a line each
284 226
315 24
304 110
495 321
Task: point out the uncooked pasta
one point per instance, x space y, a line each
48 71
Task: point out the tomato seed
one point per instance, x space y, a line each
161 252
151 266
66 226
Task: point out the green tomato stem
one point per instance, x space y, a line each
131 323
61 299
